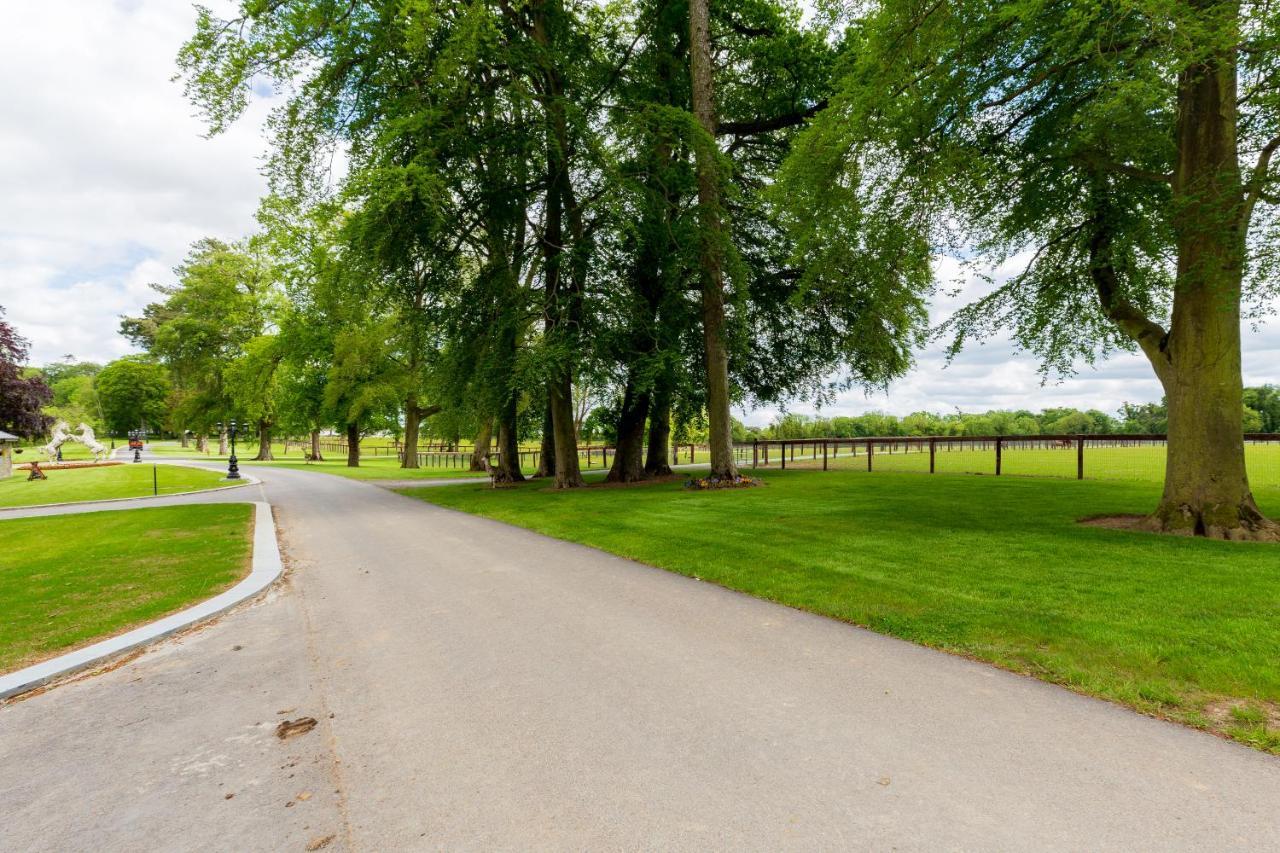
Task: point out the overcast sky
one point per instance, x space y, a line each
105 180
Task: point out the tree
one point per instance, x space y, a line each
1265 400
21 397
134 393
225 298
1126 147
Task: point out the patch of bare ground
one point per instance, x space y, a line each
1225 713
1145 524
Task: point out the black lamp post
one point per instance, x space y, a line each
135 441
233 466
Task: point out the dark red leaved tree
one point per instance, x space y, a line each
20 398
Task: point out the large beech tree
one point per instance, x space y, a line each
1120 151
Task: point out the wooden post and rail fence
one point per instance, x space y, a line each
872 452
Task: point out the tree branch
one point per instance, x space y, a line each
1255 188
767 125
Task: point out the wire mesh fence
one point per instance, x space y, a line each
1099 457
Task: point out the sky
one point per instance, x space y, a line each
106 178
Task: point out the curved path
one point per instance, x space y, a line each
479 686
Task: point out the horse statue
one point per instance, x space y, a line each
97 449
61 435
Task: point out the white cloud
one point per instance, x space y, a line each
105 176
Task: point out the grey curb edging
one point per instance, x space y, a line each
267 566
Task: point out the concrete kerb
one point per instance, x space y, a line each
266 568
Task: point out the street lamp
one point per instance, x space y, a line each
233 466
135 441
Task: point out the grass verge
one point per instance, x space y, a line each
994 569
109 482
72 579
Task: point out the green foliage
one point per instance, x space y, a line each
133 392
1036 134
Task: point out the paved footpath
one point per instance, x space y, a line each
482 687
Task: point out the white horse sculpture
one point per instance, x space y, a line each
97 449
61 435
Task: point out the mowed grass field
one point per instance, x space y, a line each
107 482
68 580
1141 462
994 569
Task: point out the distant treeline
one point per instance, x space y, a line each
1262 414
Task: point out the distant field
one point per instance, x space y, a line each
1143 463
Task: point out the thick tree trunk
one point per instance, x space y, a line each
484 440
1206 488
316 455
568 471
353 445
264 442
184 439
657 462
547 454
412 421
222 443
628 457
202 443
716 351
508 446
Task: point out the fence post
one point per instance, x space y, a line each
755 453
999 442
1080 457
784 456
933 454
870 445
824 456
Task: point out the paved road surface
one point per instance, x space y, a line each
481 687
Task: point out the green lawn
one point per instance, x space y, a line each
68 580
996 569
105 483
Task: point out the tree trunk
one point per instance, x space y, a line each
1206 487
484 439
184 439
202 443
412 422
508 445
316 455
712 251
568 471
547 455
658 462
353 445
222 443
264 442
628 458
